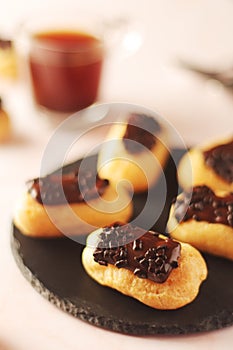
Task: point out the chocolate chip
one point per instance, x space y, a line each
150 253
160 251
196 217
137 244
152 266
215 204
143 262
113 243
207 200
140 273
174 264
138 258
123 252
230 220
106 253
159 261
218 219
121 263
199 206
218 212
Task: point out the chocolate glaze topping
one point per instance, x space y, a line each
5 44
220 159
137 130
205 206
74 187
149 256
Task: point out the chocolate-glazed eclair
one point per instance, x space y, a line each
134 150
204 219
74 203
210 165
158 271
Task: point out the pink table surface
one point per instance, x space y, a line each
198 109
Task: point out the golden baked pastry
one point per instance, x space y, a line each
209 165
5 124
8 61
204 219
156 270
134 150
73 205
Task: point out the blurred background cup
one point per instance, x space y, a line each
62 54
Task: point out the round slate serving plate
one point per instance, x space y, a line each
54 269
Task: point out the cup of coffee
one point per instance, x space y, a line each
64 54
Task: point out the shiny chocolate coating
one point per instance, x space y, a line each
205 206
220 159
148 256
137 130
74 187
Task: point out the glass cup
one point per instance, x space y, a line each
65 69
63 55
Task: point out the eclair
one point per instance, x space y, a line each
210 165
5 124
204 219
70 204
134 150
158 271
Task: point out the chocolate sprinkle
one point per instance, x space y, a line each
150 256
220 159
72 188
137 130
204 205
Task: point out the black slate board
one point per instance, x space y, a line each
54 269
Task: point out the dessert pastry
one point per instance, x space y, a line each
71 204
134 151
8 66
5 124
210 165
156 270
204 219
